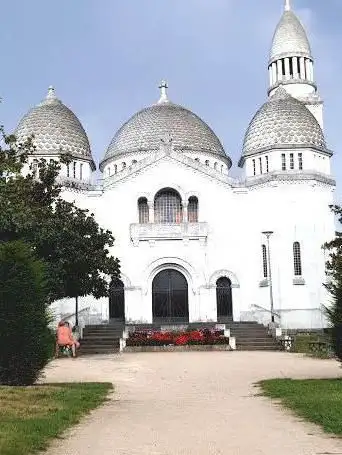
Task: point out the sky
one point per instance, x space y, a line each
106 58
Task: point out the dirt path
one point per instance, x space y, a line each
192 403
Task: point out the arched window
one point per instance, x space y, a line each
143 210
167 207
81 171
115 168
207 162
215 165
68 169
197 159
297 260
222 169
264 261
193 210
74 169
123 165
134 162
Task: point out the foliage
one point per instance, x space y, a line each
317 400
24 334
30 417
69 240
180 338
334 286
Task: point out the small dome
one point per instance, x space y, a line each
281 122
56 129
147 128
290 38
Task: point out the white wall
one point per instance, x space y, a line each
295 211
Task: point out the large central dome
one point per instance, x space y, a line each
147 128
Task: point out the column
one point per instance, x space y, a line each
274 73
185 212
308 69
287 69
279 70
150 205
311 71
295 67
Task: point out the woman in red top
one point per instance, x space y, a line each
65 338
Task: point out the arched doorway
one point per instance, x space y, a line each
224 299
170 297
117 300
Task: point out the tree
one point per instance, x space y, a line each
25 340
334 285
68 239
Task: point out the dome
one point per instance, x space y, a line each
281 122
290 38
147 128
55 128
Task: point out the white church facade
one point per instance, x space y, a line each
195 244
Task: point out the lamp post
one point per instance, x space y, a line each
268 235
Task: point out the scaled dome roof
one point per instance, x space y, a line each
283 121
290 38
56 129
145 131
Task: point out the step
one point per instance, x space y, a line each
100 343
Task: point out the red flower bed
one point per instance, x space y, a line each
151 338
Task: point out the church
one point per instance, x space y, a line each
195 244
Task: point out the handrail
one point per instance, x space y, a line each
74 314
265 309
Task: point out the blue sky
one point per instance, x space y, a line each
106 58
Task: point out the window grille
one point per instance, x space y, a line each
264 261
143 210
260 165
297 260
81 171
267 164
74 169
193 210
300 161
283 162
291 161
254 168
167 207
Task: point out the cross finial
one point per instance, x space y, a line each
287 5
163 92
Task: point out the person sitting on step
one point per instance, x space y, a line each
65 337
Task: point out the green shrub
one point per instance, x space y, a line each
25 339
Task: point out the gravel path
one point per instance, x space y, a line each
192 403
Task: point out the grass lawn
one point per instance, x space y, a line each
31 416
316 400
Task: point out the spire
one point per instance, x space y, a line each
287 5
51 93
50 97
163 92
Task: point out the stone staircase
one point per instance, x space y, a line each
101 339
105 339
251 336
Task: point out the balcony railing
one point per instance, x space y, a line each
172 231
